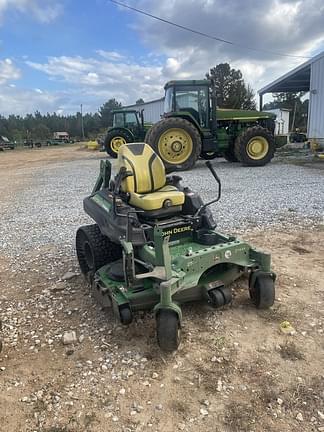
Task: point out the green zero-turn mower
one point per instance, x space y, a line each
155 246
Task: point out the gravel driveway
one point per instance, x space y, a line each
235 370
50 209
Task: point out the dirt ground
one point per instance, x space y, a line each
235 369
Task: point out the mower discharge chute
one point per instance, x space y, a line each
155 246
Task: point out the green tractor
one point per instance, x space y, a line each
154 245
194 127
128 126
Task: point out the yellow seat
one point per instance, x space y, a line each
147 185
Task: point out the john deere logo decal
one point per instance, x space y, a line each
177 230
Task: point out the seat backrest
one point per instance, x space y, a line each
145 165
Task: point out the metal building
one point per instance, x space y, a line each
282 120
152 110
308 77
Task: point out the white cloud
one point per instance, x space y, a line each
99 79
14 100
8 71
43 10
87 80
110 55
283 26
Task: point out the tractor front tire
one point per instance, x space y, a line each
114 140
168 330
94 249
176 141
255 146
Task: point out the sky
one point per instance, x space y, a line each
58 54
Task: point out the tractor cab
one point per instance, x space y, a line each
190 98
130 119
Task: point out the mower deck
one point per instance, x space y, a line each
195 270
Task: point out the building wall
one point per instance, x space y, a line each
152 110
316 102
282 121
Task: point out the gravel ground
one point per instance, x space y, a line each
51 210
235 370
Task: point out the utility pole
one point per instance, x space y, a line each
82 127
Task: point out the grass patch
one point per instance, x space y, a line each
240 417
307 397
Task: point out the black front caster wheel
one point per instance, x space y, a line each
220 296
262 290
125 315
168 330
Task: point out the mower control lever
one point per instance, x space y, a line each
211 169
123 173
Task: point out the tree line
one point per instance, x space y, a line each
231 89
41 126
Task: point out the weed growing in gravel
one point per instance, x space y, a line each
289 351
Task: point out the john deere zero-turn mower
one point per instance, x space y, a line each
155 246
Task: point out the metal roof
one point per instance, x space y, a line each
204 82
144 103
296 80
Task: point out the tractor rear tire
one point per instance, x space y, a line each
94 249
176 141
114 140
229 154
255 146
167 330
147 138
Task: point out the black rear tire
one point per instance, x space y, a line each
168 330
158 129
243 141
94 249
108 143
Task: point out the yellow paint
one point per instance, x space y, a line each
116 143
257 148
175 146
92 145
